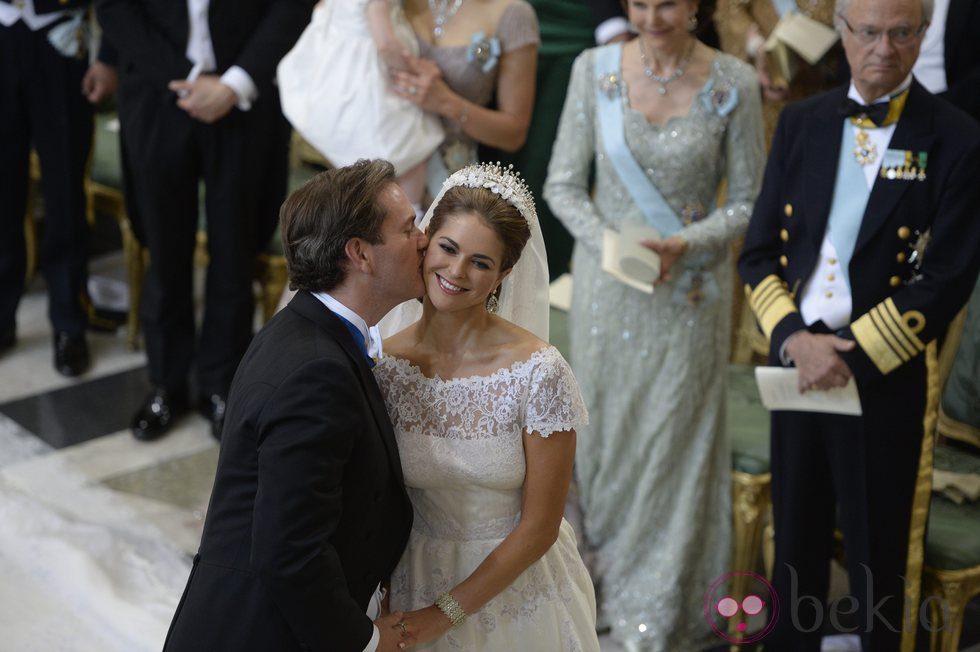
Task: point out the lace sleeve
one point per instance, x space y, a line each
568 186
745 158
518 27
554 401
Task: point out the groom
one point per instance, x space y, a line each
309 512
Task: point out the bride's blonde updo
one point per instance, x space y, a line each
499 214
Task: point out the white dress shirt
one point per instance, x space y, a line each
371 334
930 67
200 52
24 10
826 295
372 339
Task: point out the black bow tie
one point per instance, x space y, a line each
876 112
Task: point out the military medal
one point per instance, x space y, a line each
865 151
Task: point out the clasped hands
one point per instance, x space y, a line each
419 81
818 360
206 99
401 631
670 251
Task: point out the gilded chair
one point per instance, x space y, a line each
952 555
748 428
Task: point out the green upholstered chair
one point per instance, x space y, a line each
104 191
952 555
959 365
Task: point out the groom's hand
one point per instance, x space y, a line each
395 634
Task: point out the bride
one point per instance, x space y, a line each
485 414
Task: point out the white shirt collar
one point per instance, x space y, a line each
371 334
853 93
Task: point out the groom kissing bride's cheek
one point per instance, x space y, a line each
378 496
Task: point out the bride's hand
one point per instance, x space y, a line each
426 624
422 84
670 250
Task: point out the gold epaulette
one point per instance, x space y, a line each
771 302
887 337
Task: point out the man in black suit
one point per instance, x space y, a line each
950 60
48 89
859 180
309 511
197 100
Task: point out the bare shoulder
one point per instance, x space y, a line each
402 343
514 344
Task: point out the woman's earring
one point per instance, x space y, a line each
692 23
493 305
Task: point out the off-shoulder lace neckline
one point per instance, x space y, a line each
512 368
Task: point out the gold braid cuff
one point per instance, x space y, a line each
770 302
454 612
888 337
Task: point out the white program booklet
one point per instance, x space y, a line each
809 38
629 262
560 292
779 390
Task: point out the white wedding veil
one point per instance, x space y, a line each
523 296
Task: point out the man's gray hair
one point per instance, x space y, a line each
840 6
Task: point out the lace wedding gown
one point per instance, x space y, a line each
461 446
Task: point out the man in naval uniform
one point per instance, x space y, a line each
857 180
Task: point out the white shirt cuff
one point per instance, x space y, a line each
784 359
239 81
610 28
372 645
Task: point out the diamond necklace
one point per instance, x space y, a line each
663 81
442 11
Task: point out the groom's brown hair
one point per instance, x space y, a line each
321 216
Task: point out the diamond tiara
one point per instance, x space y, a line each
504 182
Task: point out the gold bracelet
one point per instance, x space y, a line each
447 604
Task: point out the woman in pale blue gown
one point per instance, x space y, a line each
663 126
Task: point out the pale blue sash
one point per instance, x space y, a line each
851 194
784 7
647 198
658 213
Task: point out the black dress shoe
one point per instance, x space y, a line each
70 354
8 337
213 409
158 413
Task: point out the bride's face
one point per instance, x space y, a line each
463 263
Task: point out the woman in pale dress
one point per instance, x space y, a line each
484 51
662 119
473 52
485 414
